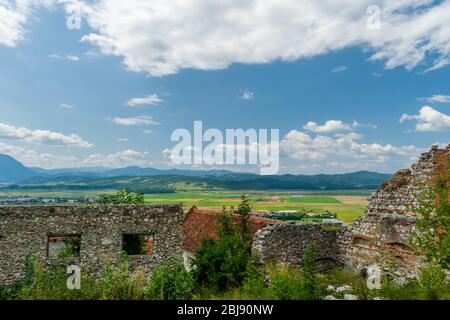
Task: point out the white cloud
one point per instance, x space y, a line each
329 126
343 152
8 131
119 159
340 69
247 95
67 57
122 139
429 119
14 15
33 158
66 106
437 98
333 126
206 35
134 121
152 99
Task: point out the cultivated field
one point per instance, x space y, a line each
348 205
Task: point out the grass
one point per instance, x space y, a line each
310 199
347 207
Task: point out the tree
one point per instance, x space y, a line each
224 263
432 239
244 210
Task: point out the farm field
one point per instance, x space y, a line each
348 205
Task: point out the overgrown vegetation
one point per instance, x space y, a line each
432 240
223 263
123 196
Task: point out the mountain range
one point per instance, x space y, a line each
15 176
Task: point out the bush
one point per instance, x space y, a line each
286 284
123 196
222 264
432 239
171 282
431 285
311 283
119 283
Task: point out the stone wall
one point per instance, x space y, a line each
285 243
382 236
26 230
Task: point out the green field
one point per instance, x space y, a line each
309 199
348 205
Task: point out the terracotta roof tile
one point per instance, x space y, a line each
202 223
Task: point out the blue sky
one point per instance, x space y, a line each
348 102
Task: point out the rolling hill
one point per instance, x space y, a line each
11 169
151 180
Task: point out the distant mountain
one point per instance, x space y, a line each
96 170
173 183
153 180
11 169
138 171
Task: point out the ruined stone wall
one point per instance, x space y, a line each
382 235
25 230
285 243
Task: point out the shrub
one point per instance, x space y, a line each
123 196
431 285
432 239
119 283
311 283
286 284
171 282
223 263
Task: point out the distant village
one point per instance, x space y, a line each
6 199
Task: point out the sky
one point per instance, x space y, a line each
350 84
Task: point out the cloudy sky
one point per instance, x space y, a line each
349 89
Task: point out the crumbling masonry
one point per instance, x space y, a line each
380 237
27 230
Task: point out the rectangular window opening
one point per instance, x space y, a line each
138 244
60 246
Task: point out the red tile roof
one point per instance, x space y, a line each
202 223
